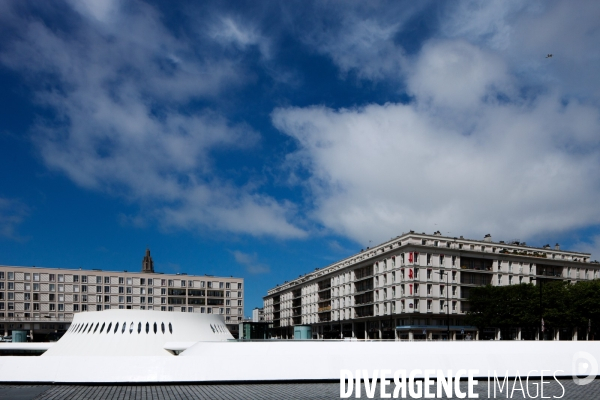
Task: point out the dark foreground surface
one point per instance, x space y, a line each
256 391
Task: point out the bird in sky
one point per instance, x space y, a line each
549 56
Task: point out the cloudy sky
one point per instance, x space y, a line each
265 139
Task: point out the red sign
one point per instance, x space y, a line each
410 273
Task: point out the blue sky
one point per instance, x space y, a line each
266 139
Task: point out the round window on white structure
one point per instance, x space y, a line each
139 327
109 326
155 328
124 327
162 327
116 328
96 328
131 328
102 329
147 327
170 328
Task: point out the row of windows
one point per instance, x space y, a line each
121 280
83 327
121 290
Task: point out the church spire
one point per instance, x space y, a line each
147 263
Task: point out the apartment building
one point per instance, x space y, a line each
44 300
414 286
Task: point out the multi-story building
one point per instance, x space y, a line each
414 286
43 300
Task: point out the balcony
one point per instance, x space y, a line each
324 309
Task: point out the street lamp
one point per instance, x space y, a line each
447 299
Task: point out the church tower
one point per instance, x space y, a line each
147 263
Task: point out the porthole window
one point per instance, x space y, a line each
139 327
162 327
155 328
109 326
124 327
116 328
96 328
103 325
170 328
91 326
147 327
131 328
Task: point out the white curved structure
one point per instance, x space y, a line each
90 352
137 333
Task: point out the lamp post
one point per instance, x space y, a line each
447 300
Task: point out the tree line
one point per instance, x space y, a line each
560 304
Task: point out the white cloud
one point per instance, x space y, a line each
12 215
469 154
361 37
591 246
230 31
250 262
120 85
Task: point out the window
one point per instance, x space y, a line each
202 284
61 297
107 299
142 281
429 288
98 289
84 288
239 285
36 287
228 285
36 306
106 289
107 280
75 278
121 280
150 300
129 299
142 300
98 299
61 287
129 290
84 278
76 288
163 282
51 297
52 287
11 296
75 297
11 276
239 303
220 285
84 307
239 294
28 286
149 290
121 289
84 298
163 292
121 299
61 278
52 307
130 281
27 276
11 286
98 279
182 283
61 307
170 282
150 282
209 284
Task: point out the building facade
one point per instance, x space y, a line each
415 286
44 300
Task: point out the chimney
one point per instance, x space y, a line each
556 246
487 238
